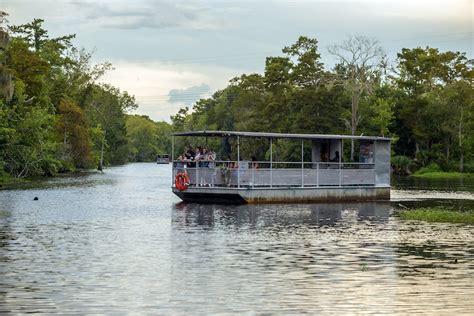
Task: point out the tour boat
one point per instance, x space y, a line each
320 174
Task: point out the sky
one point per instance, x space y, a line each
171 53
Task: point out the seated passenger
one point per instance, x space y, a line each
336 157
230 164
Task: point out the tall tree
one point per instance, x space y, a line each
307 68
75 134
361 63
37 36
6 85
436 98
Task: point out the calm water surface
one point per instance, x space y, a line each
120 241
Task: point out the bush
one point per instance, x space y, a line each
448 165
422 158
48 167
401 165
66 166
469 167
432 167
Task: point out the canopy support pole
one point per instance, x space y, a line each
238 161
340 165
271 162
172 160
302 163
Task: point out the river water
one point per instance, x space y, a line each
122 242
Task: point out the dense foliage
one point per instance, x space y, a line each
424 101
54 114
147 138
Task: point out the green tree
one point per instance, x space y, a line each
142 135
105 106
434 102
73 129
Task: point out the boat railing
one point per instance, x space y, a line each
276 173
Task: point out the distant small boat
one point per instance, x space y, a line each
163 159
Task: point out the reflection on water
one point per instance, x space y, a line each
122 242
281 216
446 184
419 192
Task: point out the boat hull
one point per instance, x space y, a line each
282 195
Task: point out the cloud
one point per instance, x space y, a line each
162 89
150 14
189 95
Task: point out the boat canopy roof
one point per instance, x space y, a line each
276 135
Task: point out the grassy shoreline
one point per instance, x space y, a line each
443 175
439 215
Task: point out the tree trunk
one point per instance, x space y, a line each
101 160
447 149
352 149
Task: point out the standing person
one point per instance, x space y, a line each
198 154
204 156
189 156
211 157
227 171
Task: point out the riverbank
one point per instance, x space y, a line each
9 182
439 215
443 175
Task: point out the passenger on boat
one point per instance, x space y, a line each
202 158
254 164
336 157
230 164
189 156
227 171
210 157
324 157
198 154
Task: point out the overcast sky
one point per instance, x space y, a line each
170 53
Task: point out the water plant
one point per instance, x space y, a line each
439 214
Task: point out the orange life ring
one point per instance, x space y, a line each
181 181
